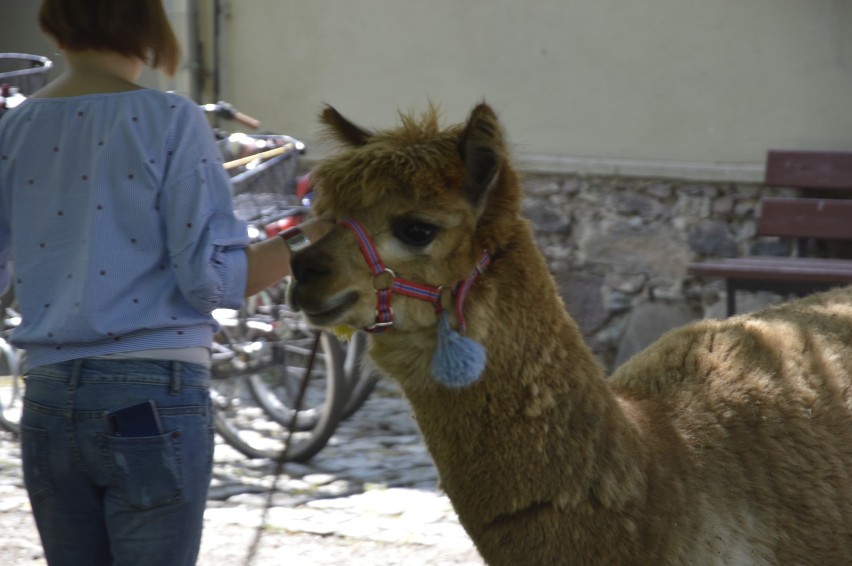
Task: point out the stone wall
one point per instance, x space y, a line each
619 248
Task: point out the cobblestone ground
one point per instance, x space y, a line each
369 498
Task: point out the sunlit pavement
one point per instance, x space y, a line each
370 497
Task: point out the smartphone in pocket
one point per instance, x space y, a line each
139 419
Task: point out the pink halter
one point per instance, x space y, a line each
386 282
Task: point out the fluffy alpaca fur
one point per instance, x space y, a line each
725 442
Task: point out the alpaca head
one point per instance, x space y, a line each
429 200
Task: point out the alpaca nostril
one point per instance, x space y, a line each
313 273
308 266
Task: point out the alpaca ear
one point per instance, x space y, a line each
481 148
342 129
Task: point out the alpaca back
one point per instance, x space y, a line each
762 408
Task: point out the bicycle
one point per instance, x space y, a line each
359 380
255 352
264 354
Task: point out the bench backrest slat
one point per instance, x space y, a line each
809 169
806 218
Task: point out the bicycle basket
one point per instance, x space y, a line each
26 72
262 189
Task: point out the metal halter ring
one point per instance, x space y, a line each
384 280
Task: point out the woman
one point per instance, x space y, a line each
117 215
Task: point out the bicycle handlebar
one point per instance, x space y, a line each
246 120
226 110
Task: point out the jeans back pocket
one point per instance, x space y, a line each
145 470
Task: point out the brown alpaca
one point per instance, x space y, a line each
725 442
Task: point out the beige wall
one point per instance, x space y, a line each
684 80
594 84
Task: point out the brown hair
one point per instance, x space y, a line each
137 28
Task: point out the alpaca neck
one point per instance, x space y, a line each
541 427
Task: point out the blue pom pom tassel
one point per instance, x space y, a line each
458 360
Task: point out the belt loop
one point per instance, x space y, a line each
175 389
76 371
73 381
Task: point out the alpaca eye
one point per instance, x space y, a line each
415 232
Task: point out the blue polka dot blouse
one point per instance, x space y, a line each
116 225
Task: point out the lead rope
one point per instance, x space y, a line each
282 457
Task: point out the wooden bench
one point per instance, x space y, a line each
805 221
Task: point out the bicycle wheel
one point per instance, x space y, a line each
277 391
247 426
11 388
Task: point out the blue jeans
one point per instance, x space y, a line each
110 500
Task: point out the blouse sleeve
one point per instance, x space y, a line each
205 240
